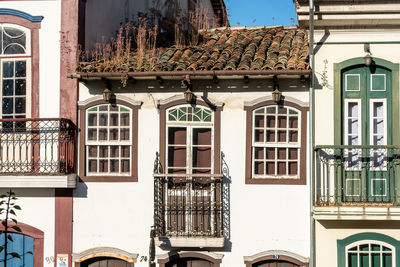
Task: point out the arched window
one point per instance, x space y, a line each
276 140
15 58
368 249
370 253
108 140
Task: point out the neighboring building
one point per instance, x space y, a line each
356 132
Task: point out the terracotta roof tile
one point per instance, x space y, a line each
273 48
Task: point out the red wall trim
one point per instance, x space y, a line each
34 27
38 240
63 223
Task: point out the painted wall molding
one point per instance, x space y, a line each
273 253
104 252
269 98
118 97
21 14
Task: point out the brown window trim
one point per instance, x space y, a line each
192 254
38 240
134 152
303 146
34 28
217 130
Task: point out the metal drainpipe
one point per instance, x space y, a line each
311 135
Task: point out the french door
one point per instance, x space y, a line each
366 122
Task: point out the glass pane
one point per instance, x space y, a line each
293 136
353 109
260 110
14 49
270 136
258 153
92 165
270 153
13 32
92 119
364 260
259 136
364 247
352 140
125 166
114 119
281 153
103 134
271 121
378 109
103 165
92 151
8 87
114 151
202 136
282 110
387 260
293 122
20 69
270 168
103 151
282 122
103 108
375 260
20 87
8 69
281 168
379 140
293 153
259 167
113 134
103 119
271 110
378 126
259 121
352 126
8 104
125 119
92 134
114 165
125 151
282 136
20 105
375 247
352 260
292 168
124 134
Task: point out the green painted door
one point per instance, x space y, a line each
366 115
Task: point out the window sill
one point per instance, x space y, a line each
190 242
38 181
288 181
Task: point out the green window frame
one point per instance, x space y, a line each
343 246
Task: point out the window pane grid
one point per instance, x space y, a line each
108 140
369 254
276 146
13 88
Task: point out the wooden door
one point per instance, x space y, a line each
189 262
273 263
105 262
21 244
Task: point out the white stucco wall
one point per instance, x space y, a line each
263 217
49 50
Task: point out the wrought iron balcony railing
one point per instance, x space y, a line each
191 205
357 175
37 146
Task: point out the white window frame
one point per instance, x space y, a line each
359 82
190 192
359 130
99 143
384 83
276 145
369 242
18 57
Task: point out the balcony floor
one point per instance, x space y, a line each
358 212
38 181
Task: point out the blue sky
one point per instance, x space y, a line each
261 12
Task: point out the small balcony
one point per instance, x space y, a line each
354 181
37 153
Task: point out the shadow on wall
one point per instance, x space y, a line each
81 190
